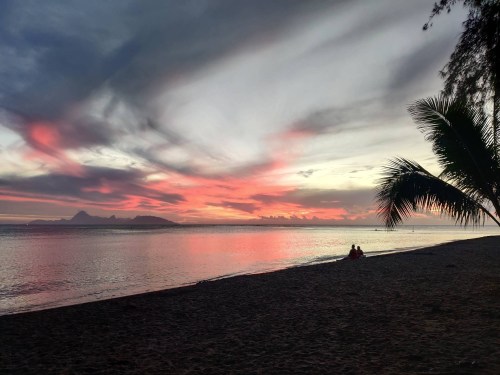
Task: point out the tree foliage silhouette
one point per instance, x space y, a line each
467 189
473 72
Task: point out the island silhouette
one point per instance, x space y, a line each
83 218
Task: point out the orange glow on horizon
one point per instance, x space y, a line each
258 194
203 200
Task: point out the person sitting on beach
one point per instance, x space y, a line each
352 253
359 252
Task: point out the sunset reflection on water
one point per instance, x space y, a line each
47 267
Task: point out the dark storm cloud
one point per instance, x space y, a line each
177 37
88 186
66 185
56 54
82 132
49 63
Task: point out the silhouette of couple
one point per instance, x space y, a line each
355 253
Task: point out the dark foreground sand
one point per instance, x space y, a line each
431 311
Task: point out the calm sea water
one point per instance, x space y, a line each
44 267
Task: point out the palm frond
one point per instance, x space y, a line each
462 140
406 187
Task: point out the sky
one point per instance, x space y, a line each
213 111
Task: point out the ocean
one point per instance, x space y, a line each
45 267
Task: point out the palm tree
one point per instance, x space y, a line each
467 189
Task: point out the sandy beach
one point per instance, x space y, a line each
429 311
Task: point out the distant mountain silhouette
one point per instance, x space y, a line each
83 218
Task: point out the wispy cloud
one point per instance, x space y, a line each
207 108
95 185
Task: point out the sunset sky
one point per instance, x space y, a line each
212 111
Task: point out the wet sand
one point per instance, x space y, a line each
430 311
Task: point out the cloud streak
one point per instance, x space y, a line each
96 185
211 109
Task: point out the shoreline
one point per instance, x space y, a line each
142 290
431 310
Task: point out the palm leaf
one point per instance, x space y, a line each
407 187
462 140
